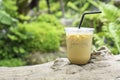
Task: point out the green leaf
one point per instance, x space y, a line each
1 42
73 6
12 37
114 30
93 3
5 18
15 49
21 50
109 12
85 7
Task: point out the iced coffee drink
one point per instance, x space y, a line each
79 43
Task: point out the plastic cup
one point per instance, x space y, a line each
79 44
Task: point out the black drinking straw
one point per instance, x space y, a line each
85 14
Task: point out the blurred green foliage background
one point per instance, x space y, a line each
30 26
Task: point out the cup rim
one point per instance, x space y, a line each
82 29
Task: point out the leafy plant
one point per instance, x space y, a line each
9 7
12 62
46 33
6 21
110 28
114 29
16 40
